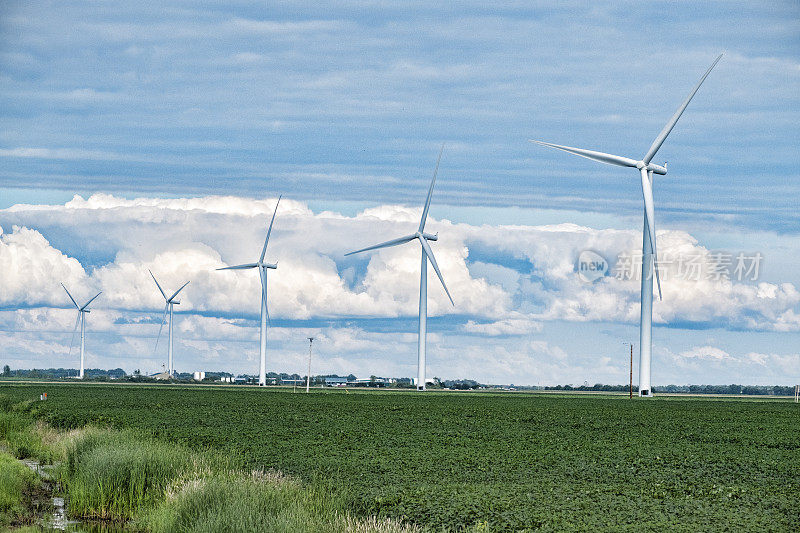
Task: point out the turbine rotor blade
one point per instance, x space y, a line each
264 250
601 157
671 124
161 327
430 193
240 267
264 294
649 211
387 244
157 285
90 301
262 272
74 329
176 292
71 298
429 253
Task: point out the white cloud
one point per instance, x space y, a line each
32 270
188 238
709 353
520 283
507 326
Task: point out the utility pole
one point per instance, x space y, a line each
308 377
630 383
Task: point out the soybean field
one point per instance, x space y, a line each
506 461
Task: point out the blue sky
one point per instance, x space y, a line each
342 108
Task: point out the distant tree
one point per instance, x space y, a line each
6 371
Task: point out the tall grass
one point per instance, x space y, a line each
236 502
15 478
23 437
114 475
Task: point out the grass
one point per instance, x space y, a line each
15 480
157 486
23 436
114 475
499 461
257 502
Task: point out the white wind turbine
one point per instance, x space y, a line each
82 319
649 254
262 270
427 254
167 308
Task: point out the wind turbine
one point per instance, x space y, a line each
427 254
649 253
82 319
262 271
167 307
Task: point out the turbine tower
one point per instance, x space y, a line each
167 307
646 170
308 375
262 270
427 254
82 319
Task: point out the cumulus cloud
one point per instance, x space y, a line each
706 352
710 364
521 275
32 270
509 284
508 326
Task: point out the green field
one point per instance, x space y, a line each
509 460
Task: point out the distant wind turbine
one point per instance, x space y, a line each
82 319
262 270
649 254
427 254
167 308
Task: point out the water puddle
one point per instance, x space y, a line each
55 516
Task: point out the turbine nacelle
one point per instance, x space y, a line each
273 266
655 169
428 236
